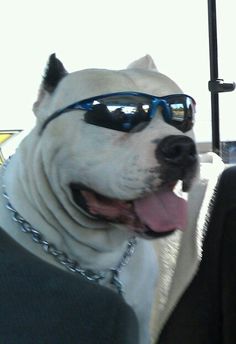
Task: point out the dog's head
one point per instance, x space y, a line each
116 143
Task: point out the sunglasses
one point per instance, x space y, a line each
127 111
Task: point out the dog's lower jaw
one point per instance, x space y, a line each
145 216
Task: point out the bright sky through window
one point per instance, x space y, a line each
111 34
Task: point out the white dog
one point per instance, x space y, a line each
95 177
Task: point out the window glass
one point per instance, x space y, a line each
106 34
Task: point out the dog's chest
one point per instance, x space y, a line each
140 279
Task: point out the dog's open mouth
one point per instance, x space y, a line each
157 214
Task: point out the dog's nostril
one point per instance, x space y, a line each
177 150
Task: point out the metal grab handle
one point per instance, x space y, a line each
218 85
215 84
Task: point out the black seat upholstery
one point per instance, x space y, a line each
206 313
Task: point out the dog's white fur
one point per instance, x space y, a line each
115 164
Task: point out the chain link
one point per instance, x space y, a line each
63 259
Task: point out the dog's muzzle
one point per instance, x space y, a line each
158 212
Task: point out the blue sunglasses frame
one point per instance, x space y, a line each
154 101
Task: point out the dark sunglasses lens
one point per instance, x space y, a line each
121 113
134 112
182 113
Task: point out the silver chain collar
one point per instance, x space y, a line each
62 258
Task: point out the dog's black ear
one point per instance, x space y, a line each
54 72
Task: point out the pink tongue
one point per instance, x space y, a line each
162 211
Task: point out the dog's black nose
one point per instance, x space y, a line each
177 150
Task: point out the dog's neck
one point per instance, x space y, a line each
82 239
109 276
